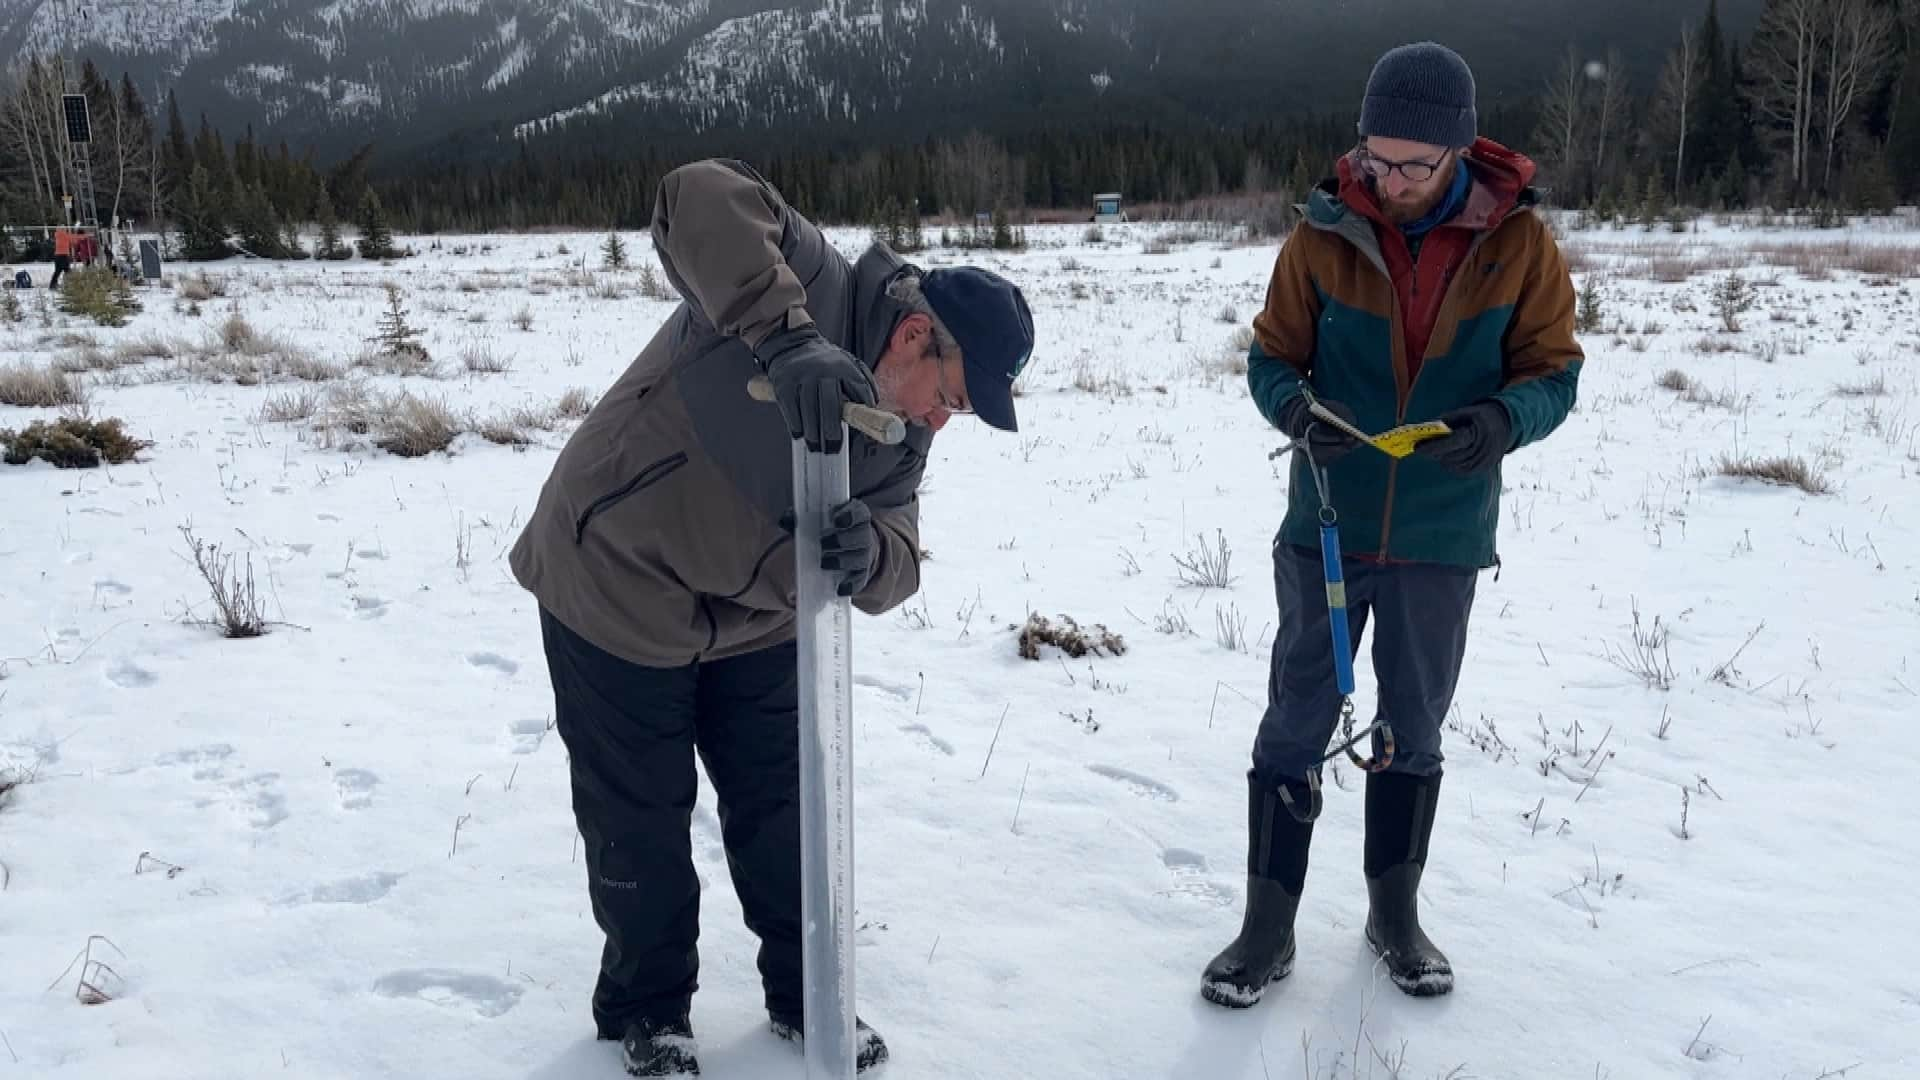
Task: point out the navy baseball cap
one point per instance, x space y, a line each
988 316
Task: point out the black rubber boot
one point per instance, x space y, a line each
1400 811
652 1048
1263 954
870 1050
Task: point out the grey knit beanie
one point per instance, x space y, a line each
1423 92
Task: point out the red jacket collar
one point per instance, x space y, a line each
1499 177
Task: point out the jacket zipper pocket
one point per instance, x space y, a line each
649 476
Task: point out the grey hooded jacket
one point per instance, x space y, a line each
657 535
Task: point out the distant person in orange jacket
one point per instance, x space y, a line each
63 244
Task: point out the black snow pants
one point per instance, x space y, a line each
632 733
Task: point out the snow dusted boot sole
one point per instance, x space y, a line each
1419 969
1400 813
1229 981
870 1050
1263 953
651 1049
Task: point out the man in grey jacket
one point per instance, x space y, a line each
661 555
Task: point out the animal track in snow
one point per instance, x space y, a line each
368 607
928 738
484 994
493 660
111 587
355 787
364 889
1145 787
131 676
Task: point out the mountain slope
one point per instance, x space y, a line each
413 71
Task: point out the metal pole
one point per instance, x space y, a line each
820 483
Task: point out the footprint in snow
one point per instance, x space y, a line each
524 736
493 660
258 797
484 994
928 738
902 691
1189 869
1145 787
355 787
209 761
130 676
111 587
328 517
364 889
368 607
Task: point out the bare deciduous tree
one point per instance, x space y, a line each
1859 43
1563 113
31 131
1679 85
1610 104
1786 55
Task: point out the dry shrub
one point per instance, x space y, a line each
482 360
400 424
511 429
30 386
409 426
291 406
1876 386
1068 637
575 404
200 287
403 361
1105 380
72 442
237 608
1783 471
1676 380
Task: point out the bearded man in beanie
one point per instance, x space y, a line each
661 555
1418 286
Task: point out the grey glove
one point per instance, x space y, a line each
1326 444
812 378
849 547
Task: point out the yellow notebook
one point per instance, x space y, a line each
1399 442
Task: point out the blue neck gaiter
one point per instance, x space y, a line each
1446 208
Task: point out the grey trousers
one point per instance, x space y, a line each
1419 617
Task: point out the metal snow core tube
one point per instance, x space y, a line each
824 626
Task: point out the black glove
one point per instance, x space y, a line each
1482 433
812 378
1326 444
848 545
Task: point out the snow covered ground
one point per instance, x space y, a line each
1686 866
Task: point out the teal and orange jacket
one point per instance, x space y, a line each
1486 311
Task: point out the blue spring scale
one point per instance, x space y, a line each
1379 733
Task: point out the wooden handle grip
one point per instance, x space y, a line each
877 424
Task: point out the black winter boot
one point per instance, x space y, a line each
870 1050
1400 812
1277 846
653 1048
